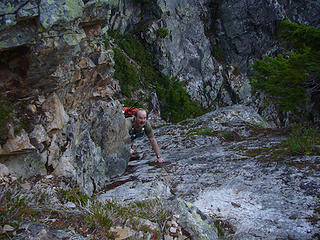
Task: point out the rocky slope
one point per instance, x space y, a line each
212 44
225 176
58 94
236 174
60 113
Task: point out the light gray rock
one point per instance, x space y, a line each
33 230
97 150
4 171
25 165
250 196
57 118
59 14
65 166
39 134
196 223
18 144
184 53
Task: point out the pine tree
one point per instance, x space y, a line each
287 77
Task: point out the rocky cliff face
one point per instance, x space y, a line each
58 93
226 176
212 44
60 112
53 60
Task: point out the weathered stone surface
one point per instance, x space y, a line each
7 228
59 13
127 16
197 224
89 148
16 35
25 165
33 230
99 11
154 106
57 118
65 166
28 11
122 233
65 72
18 144
4 171
39 134
212 44
62 67
11 6
241 182
184 53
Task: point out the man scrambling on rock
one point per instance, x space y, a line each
137 127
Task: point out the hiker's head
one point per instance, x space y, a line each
140 118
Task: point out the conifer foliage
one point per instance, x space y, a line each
287 77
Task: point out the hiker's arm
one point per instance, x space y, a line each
155 148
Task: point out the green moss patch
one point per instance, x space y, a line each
6 116
203 131
162 32
303 139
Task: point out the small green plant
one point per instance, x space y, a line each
43 198
102 215
231 136
186 122
303 139
98 216
221 232
6 116
176 104
13 112
74 195
162 32
14 207
218 53
114 33
90 216
227 134
203 131
149 209
254 152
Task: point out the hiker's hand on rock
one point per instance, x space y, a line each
131 151
160 160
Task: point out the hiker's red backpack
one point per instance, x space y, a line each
129 111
